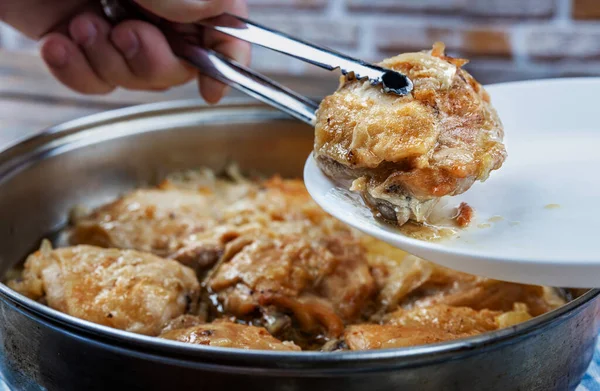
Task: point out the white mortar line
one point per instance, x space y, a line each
519 46
367 41
335 9
563 12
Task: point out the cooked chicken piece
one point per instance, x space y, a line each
184 322
322 283
227 334
519 314
268 256
192 216
124 289
274 200
407 281
421 326
397 273
454 320
404 153
151 220
277 205
450 287
375 336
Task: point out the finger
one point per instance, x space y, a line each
185 11
149 56
212 91
91 33
69 65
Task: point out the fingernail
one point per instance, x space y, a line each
56 55
127 43
84 33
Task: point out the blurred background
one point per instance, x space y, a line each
504 39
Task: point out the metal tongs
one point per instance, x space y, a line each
186 42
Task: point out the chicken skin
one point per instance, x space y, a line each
323 284
124 289
268 269
405 281
151 220
422 326
226 334
191 217
405 152
375 336
459 321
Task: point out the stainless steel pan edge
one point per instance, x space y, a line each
34 147
41 356
578 319
384 359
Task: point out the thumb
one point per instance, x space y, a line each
186 11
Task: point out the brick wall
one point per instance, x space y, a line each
505 39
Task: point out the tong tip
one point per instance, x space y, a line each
396 83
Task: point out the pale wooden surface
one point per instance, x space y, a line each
31 100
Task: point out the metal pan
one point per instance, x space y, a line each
94 159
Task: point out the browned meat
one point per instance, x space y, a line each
322 283
152 220
453 288
192 217
124 289
407 281
184 322
227 334
375 336
460 321
283 264
464 215
437 323
404 153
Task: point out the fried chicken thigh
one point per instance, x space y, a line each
153 220
226 334
322 285
407 282
437 323
404 153
124 289
375 336
270 270
191 217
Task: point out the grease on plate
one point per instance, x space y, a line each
428 232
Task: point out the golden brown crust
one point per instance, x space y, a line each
285 265
124 289
319 282
375 336
227 334
459 321
149 220
436 323
464 215
405 281
192 216
434 142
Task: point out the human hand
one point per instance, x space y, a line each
89 55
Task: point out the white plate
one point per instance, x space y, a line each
546 193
